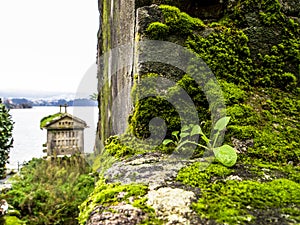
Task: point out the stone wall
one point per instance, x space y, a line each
124 21
116 37
116 29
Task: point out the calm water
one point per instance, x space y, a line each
29 138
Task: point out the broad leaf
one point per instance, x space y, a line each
175 133
196 130
183 135
183 143
185 128
167 141
226 155
222 123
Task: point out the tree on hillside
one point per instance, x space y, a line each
6 140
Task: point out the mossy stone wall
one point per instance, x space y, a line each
114 78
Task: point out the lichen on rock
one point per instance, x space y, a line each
171 204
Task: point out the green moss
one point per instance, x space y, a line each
274 169
107 195
49 118
101 162
271 146
231 201
151 107
194 176
269 11
115 147
226 53
271 119
257 111
275 135
124 146
279 67
141 203
232 93
274 70
180 22
242 114
175 22
194 92
236 201
161 106
12 220
157 30
242 132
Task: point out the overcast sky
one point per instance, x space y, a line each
46 45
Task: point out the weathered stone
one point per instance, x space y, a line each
115 79
234 177
121 214
115 65
153 169
207 9
261 39
147 15
242 146
171 204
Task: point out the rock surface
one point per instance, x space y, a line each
153 169
171 204
171 201
121 214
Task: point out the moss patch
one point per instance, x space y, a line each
193 176
235 201
237 196
12 220
49 118
157 30
180 22
107 194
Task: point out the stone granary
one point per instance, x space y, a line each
65 134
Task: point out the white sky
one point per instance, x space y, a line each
46 45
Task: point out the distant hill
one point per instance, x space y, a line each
20 103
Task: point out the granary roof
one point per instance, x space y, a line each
51 119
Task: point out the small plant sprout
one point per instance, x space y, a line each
225 154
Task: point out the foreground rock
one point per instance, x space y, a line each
170 200
121 214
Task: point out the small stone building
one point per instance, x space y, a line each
65 134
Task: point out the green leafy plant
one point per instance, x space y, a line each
6 140
224 154
50 191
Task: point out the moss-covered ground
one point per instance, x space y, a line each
252 192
